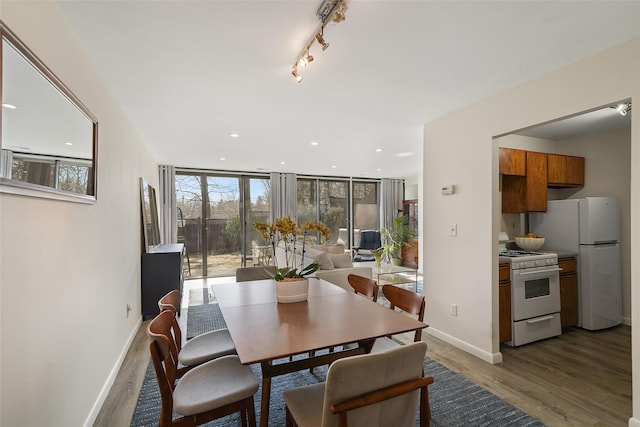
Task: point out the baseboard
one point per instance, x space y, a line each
634 422
93 414
492 358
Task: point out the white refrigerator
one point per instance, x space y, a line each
589 227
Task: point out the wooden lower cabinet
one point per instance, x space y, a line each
568 291
504 302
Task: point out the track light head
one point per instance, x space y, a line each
296 75
623 108
322 42
305 59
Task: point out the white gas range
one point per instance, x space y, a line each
535 295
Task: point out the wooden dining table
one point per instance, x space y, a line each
265 331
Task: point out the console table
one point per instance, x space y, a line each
161 273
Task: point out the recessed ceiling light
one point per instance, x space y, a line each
405 154
234 135
282 163
68 143
9 106
223 158
379 150
314 143
334 166
378 169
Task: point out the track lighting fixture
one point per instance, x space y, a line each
297 75
623 108
322 42
305 59
330 10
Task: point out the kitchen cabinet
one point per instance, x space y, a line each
565 171
513 162
504 302
526 193
568 291
161 273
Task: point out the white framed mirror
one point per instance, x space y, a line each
49 138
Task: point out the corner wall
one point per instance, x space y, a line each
67 270
460 148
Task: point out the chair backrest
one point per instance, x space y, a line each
354 376
364 286
165 362
244 274
370 239
170 302
407 301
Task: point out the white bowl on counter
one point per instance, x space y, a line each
530 243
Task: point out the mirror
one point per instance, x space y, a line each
48 138
150 223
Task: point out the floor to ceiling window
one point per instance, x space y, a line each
366 208
328 200
216 213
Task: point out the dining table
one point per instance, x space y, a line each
270 333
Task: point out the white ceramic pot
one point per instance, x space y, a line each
291 290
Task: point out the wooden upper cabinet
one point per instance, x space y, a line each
565 171
575 170
536 182
513 162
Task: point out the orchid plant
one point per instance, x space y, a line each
285 230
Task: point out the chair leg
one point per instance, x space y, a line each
243 418
251 412
290 422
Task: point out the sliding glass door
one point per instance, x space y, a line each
215 217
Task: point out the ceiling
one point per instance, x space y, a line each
190 73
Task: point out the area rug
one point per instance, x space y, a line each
455 401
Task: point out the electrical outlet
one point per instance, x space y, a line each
453 230
454 310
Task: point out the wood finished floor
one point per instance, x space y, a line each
582 378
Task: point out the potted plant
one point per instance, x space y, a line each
395 238
292 284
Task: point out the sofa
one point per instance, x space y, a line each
335 263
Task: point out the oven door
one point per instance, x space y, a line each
535 292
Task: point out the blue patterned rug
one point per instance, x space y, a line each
455 401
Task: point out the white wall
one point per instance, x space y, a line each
459 148
607 173
67 270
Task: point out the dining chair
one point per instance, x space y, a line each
364 286
382 389
407 301
245 274
209 391
199 349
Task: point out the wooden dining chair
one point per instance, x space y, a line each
209 391
383 389
407 301
364 286
199 349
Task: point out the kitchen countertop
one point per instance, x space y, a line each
562 254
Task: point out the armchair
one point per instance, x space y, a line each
370 240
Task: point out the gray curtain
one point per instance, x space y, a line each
391 196
6 162
283 195
168 208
